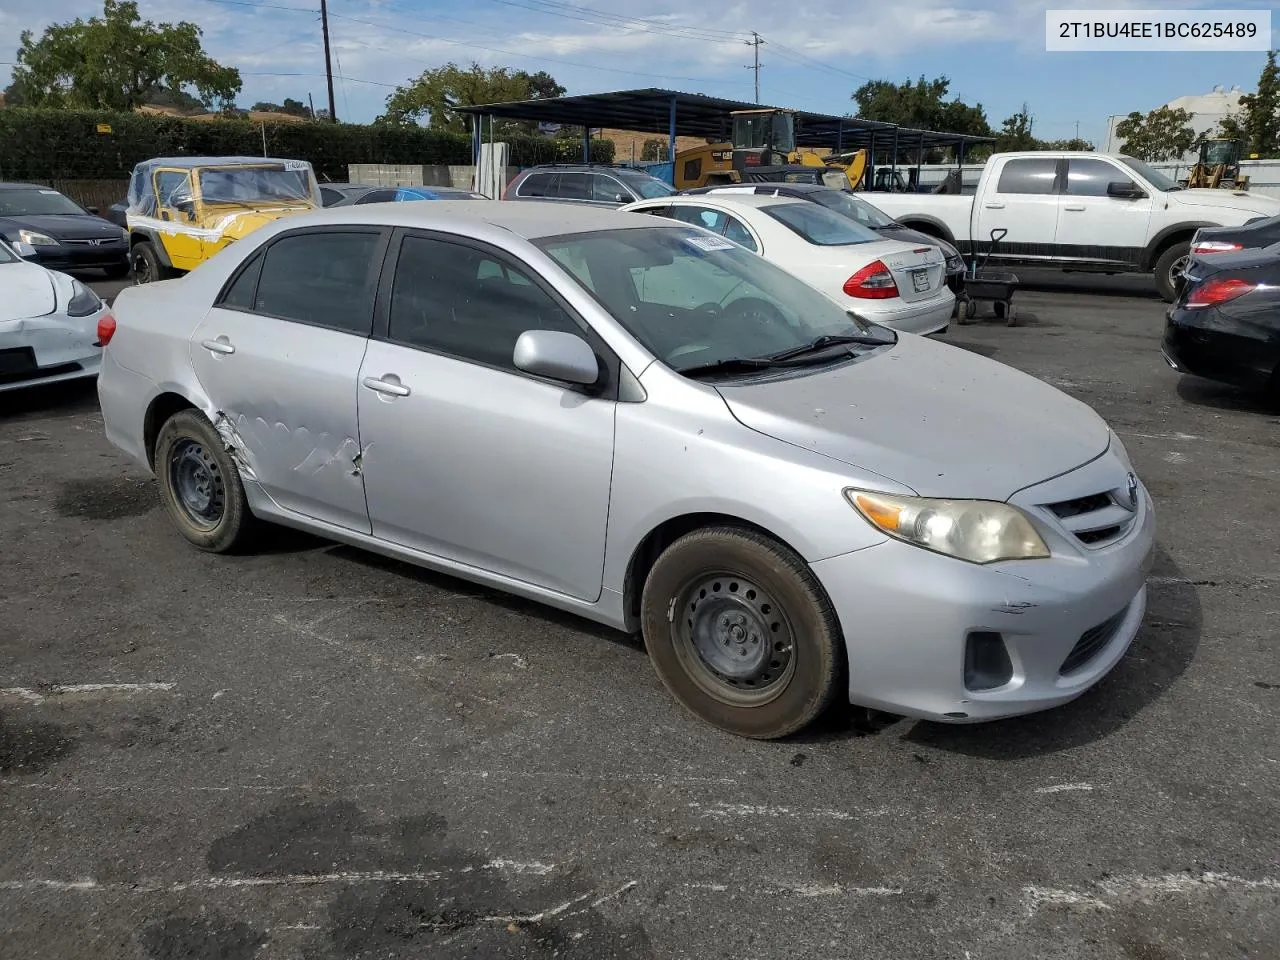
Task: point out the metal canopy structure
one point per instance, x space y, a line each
677 114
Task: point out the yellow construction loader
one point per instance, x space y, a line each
1218 166
763 147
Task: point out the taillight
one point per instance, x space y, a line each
106 329
1215 246
1214 292
872 282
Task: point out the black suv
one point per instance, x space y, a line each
594 183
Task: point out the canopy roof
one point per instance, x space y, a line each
696 115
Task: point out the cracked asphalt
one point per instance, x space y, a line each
315 753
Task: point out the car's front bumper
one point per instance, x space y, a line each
47 349
907 614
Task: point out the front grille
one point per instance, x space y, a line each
108 242
1091 643
1097 519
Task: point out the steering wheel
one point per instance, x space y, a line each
755 310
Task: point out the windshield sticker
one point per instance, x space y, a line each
295 164
710 243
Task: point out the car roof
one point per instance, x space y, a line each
185 163
530 219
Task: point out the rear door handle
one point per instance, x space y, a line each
220 345
390 385
1073 206
993 205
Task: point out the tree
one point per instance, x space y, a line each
1257 125
1015 133
432 96
1163 134
921 105
118 62
179 99
653 150
294 108
1074 143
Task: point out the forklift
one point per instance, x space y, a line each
1218 166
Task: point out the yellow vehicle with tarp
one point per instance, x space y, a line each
182 210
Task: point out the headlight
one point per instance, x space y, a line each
979 531
83 301
36 239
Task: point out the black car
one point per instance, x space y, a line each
850 205
1253 235
1225 324
64 234
345 194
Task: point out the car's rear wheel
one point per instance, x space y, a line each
741 633
200 485
146 265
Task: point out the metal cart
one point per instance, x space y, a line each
982 284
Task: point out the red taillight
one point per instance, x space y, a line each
1215 246
872 282
1214 292
106 329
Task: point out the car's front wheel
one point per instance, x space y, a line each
741 633
200 485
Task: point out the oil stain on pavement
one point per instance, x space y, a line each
105 498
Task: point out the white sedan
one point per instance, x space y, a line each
48 323
899 285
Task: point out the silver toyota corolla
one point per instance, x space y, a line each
644 423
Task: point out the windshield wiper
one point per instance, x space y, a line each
829 340
730 365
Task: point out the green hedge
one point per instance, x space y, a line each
62 144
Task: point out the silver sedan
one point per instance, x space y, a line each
644 423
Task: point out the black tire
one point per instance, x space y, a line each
1167 267
998 307
118 271
145 264
187 449
750 589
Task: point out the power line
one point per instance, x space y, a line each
637 24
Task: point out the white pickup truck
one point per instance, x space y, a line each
1095 212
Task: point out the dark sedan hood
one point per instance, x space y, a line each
63 226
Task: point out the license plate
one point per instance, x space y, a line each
920 280
20 360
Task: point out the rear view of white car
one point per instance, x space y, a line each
48 324
896 284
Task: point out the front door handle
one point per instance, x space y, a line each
1073 206
993 205
390 385
220 345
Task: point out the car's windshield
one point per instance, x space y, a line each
253 184
694 299
649 188
35 202
819 225
843 202
1150 174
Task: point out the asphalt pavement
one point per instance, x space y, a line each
311 752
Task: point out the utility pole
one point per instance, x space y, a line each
755 43
1077 129
328 64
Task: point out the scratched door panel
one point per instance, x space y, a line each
287 399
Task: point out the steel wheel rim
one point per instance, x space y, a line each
734 639
197 483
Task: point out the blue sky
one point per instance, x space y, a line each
816 51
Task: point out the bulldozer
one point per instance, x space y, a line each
1218 166
763 147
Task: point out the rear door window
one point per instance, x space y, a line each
712 220
735 230
574 186
326 279
1029 175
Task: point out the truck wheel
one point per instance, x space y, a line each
147 267
1170 268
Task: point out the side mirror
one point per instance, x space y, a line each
622 198
557 356
25 250
1125 190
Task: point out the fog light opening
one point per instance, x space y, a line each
986 661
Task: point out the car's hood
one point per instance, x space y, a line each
941 420
63 226
1242 201
26 290
239 225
